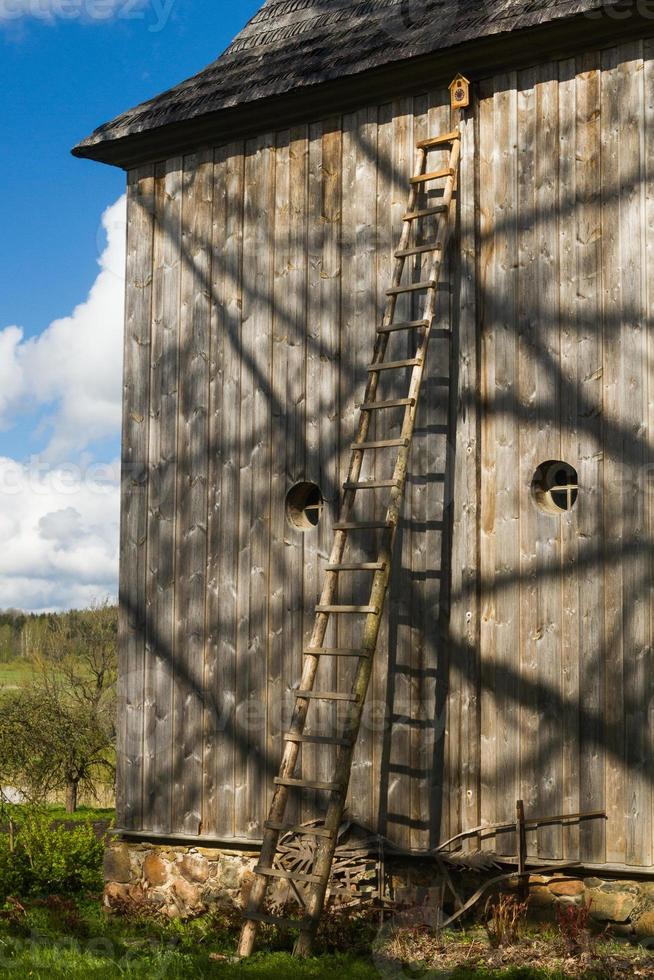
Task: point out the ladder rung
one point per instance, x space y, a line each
393 365
324 696
298 829
334 652
404 325
361 566
418 250
433 175
276 920
289 875
412 287
438 140
380 444
425 212
369 484
307 784
391 403
347 609
361 525
317 739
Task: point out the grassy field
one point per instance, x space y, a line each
99 815
14 673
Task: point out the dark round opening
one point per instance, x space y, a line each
555 486
304 504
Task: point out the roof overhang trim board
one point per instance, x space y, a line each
557 38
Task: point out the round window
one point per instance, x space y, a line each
304 504
555 486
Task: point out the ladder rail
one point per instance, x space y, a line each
310 667
337 797
343 767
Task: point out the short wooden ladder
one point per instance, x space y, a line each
315 880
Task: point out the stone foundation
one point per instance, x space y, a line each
181 881
175 880
627 905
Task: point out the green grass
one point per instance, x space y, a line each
73 939
15 673
82 814
66 939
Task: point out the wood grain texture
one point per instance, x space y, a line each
192 502
570 438
162 498
545 325
590 519
254 497
256 275
463 726
134 496
223 492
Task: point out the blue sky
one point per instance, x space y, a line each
65 67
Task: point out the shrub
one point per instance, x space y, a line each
49 858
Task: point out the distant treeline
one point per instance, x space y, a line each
25 634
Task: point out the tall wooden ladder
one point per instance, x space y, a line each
313 886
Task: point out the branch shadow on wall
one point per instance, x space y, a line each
190 761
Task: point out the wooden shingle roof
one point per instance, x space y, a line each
292 45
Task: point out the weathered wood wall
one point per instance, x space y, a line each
516 655
566 159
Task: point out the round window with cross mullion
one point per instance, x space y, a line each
555 486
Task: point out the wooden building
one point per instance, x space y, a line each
265 198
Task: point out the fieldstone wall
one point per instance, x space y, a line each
180 881
627 905
175 880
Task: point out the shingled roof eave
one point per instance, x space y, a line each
491 53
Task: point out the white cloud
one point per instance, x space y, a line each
59 513
74 366
11 381
59 528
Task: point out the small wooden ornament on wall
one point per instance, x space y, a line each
460 92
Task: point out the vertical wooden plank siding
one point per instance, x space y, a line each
285 466
464 618
322 400
192 472
363 208
134 493
488 736
516 652
254 516
589 519
223 492
634 420
647 476
527 393
502 405
395 789
386 428
435 431
547 440
568 392
613 476
162 498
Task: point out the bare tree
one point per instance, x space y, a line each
57 732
